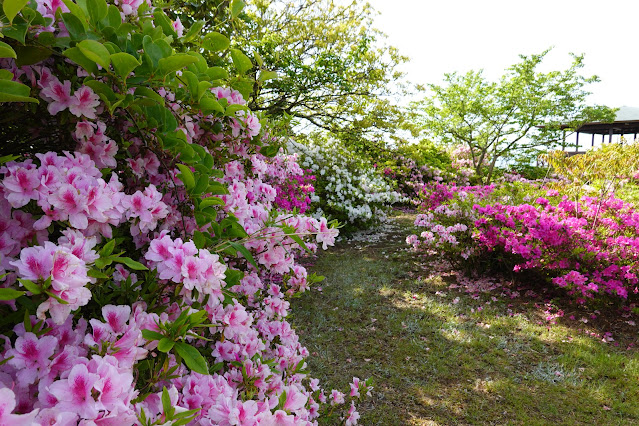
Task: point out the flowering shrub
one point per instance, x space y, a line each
588 246
409 178
435 194
347 188
449 221
145 264
465 164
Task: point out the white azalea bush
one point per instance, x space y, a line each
347 187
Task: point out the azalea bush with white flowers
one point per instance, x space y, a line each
347 188
148 252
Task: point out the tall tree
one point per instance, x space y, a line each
525 111
315 63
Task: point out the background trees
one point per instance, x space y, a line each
496 120
317 65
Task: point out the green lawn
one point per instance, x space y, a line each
435 361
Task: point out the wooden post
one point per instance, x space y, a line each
577 143
610 136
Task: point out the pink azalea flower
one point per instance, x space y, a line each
7 405
31 356
75 392
60 95
84 103
21 185
116 317
178 27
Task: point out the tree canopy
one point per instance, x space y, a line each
522 113
315 63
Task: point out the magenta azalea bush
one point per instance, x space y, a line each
587 246
147 258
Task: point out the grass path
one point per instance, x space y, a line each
445 356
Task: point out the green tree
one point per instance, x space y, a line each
316 65
525 112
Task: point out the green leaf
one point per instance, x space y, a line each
132 264
199 239
267 75
209 105
161 20
165 344
186 176
193 31
7 51
152 335
245 252
10 294
46 38
216 188
113 16
211 201
56 297
76 11
98 10
269 150
167 406
6 159
124 63
258 58
31 286
96 52
101 89
215 42
149 93
232 277
107 249
12 7
154 50
202 88
6 75
17 31
76 55
103 262
174 63
29 55
244 86
217 73
241 61
192 358
236 7
12 91
76 28
97 274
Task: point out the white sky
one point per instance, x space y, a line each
459 35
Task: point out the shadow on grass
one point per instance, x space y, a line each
434 361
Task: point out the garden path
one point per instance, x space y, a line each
439 353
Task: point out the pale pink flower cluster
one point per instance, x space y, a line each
183 263
65 266
82 103
70 188
56 377
93 141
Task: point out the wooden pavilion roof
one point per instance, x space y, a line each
626 122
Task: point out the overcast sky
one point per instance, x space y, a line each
458 35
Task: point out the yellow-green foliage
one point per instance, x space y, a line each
605 169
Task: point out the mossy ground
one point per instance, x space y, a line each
435 358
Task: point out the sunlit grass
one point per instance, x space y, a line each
435 361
